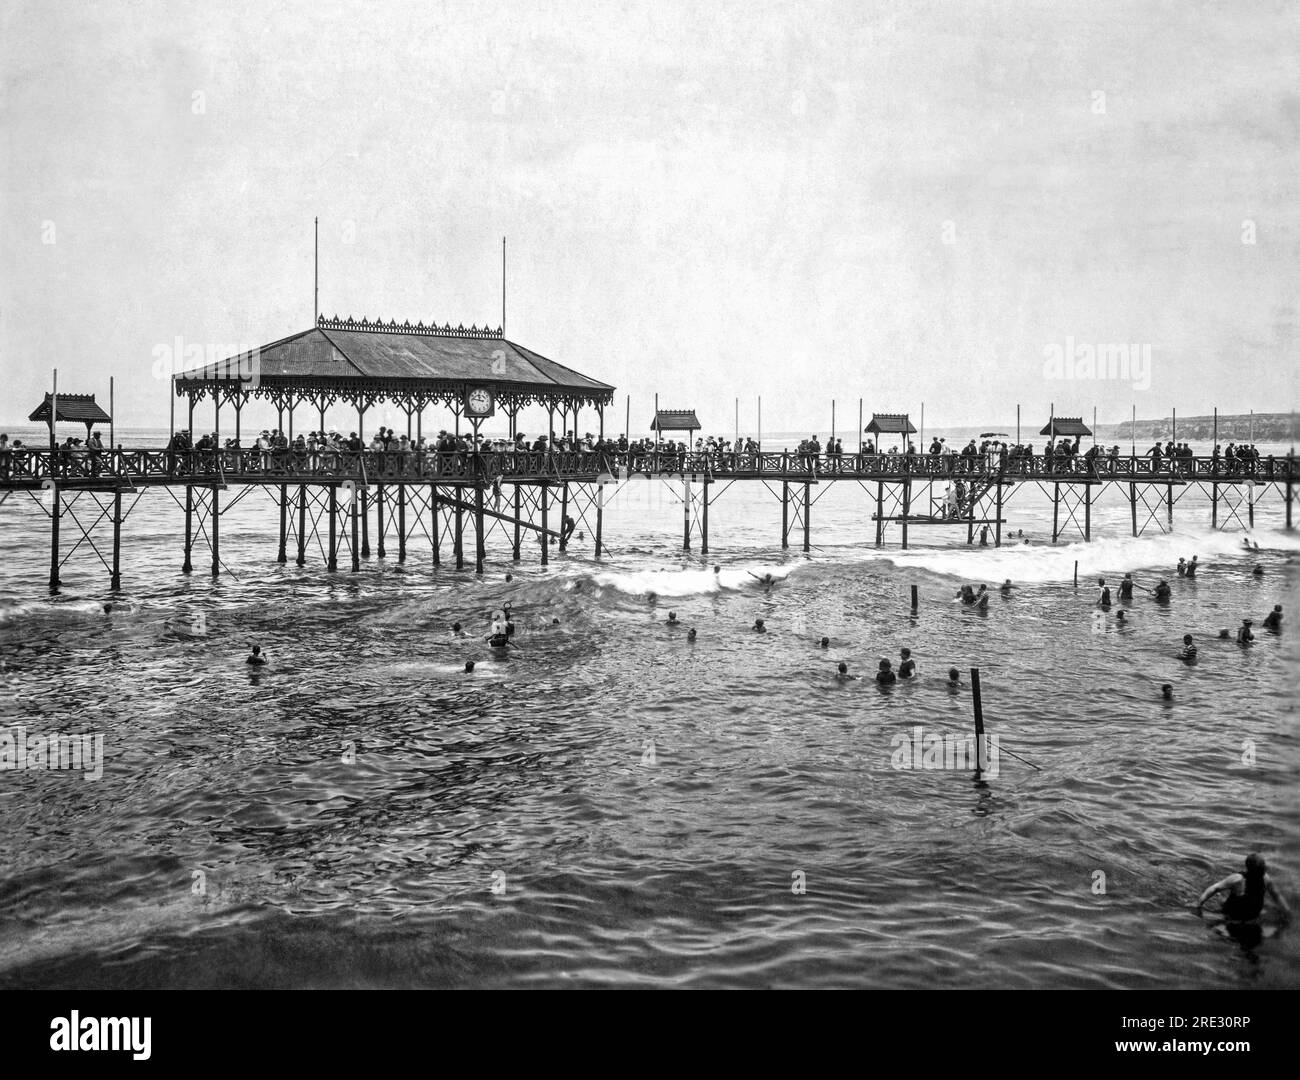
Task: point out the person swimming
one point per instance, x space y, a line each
1191 566
1249 544
456 630
906 665
1258 570
954 677
672 619
1244 636
1126 587
842 672
510 577
982 599
256 656
885 676
1006 587
1225 634
1246 893
1182 567
1103 598
690 634
758 625
1121 618
469 666
1189 648
1167 691
1162 590
1273 620
826 643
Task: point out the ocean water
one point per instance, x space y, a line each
614 805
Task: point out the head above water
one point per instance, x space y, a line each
690 634
455 626
843 668
1255 864
1167 690
672 616
758 624
905 653
257 650
469 666
954 675
1187 639
885 665
826 643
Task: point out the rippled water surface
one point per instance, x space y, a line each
615 805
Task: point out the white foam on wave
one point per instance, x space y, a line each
1114 556
689 582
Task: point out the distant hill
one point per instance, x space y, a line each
1267 427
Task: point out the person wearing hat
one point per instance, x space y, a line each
1244 636
1246 893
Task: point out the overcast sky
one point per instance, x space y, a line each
905 202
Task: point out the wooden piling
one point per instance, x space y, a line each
686 514
546 532
458 541
880 512
214 518
355 507
379 519
401 523
907 507
807 514
1087 512
915 598
600 522
1056 511
1133 505
433 524
55 513
365 523
331 562
302 525
704 522
564 511
480 541
280 555
1214 505
186 566
518 531
997 523
979 721
785 511
115 580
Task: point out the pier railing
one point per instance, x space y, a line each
30 466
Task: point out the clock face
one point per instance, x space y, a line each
479 401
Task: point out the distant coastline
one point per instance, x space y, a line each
1261 428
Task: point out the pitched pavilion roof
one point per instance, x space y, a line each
74 408
890 424
350 351
1066 425
675 420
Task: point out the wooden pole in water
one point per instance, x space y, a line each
355 507
564 513
1076 573
365 523
1056 510
760 421
458 541
914 598
546 535
302 525
880 512
1017 425
1133 504
433 524
401 523
515 553
479 539
115 581
785 508
600 522
332 562
907 506
379 519
704 523
186 567
215 515
977 702
686 513
280 555
832 419
1087 511
997 514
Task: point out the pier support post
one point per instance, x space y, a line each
515 552
1289 497
433 515
1169 507
807 510
1056 511
365 524
546 536
1214 506
332 562
480 541
785 513
458 541
355 506
1087 512
997 515
280 555
600 522
54 538
686 513
1133 505
186 566
302 525
379 519
704 521
564 513
1250 503
115 581
880 512
215 517
401 523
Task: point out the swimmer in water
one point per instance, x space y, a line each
672 619
1189 648
555 622
469 666
1191 567
1126 587
826 643
758 625
967 594
1273 620
1182 567
1103 599
108 608
256 656
1006 587
1249 544
650 596
690 634
885 676
1258 571
906 665
456 630
510 577
1162 590
1121 618
982 600
1244 636
954 677
1224 634
842 672
1246 893
1167 691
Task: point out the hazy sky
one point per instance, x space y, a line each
907 202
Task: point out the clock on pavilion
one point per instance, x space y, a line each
480 402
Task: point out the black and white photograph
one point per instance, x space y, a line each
670 496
